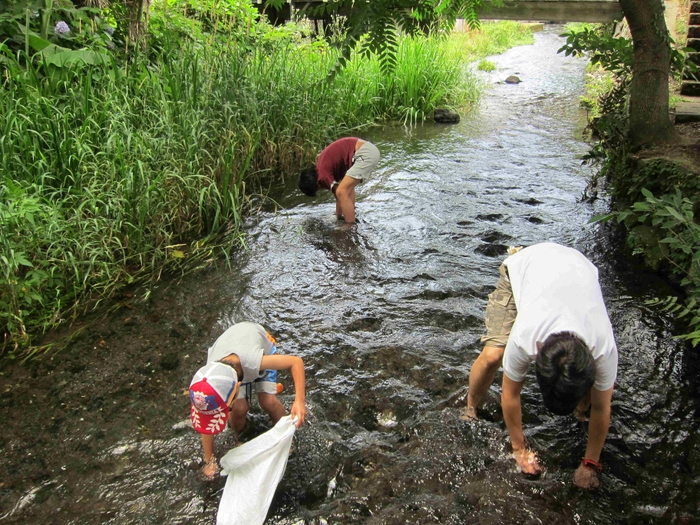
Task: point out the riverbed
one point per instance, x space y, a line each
387 316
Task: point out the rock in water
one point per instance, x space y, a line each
446 116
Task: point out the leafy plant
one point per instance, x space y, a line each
678 242
380 23
136 167
56 30
25 279
486 65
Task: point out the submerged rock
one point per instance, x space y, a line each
446 116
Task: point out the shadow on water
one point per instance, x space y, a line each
387 317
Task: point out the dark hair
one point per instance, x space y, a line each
308 181
565 371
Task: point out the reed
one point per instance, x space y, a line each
111 175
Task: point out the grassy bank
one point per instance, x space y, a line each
113 173
655 193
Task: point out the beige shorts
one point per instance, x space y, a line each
364 161
500 312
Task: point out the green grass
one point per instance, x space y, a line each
491 38
486 65
111 176
598 82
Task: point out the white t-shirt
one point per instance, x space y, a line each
249 342
556 289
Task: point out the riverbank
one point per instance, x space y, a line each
116 173
387 318
654 189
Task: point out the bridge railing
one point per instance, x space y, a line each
601 11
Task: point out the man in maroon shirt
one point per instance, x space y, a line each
339 168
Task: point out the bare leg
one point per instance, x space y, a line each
238 415
481 378
273 406
210 467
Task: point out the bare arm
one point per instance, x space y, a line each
345 198
598 426
296 365
338 210
513 416
599 423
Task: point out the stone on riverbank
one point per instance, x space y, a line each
445 116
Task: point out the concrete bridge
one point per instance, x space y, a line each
527 10
600 11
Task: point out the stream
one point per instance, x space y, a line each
387 317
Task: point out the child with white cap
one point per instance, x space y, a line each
241 360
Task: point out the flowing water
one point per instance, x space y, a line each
387 317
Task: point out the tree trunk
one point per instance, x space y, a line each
649 112
138 20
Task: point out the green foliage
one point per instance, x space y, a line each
116 172
613 54
381 21
55 28
486 65
173 21
675 235
663 229
657 176
599 83
491 38
688 312
24 277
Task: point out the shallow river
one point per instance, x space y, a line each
387 317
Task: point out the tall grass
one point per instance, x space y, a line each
111 175
491 38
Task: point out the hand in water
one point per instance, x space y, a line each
586 478
210 469
527 461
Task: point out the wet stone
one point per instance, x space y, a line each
495 237
366 324
492 217
436 295
530 202
492 250
170 361
445 116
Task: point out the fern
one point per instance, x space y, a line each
383 21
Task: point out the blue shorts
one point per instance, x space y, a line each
266 384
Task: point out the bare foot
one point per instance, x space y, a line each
527 461
210 469
468 414
586 478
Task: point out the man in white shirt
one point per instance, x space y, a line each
548 307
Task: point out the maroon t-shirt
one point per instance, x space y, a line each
335 160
